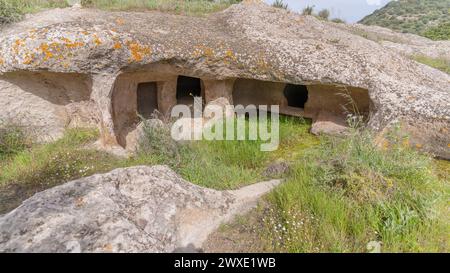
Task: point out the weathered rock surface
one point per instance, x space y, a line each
247 41
139 209
405 43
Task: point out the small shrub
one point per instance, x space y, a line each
324 14
87 3
9 12
338 20
439 32
280 4
308 10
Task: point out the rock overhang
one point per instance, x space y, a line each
250 41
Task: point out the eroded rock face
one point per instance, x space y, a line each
139 209
251 41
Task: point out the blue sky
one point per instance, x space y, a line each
349 10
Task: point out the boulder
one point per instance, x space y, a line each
139 209
329 124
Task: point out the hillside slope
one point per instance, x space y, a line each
430 18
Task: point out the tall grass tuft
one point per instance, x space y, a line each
12 140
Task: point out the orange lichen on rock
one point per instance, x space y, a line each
2 61
16 46
117 45
71 44
97 40
29 58
45 49
138 51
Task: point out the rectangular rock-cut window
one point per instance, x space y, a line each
147 99
187 89
296 95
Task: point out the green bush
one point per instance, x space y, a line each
9 12
12 140
440 32
324 14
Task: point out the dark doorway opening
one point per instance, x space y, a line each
147 99
296 95
187 89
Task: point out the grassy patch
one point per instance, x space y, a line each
218 164
13 10
441 64
42 166
192 7
346 193
223 164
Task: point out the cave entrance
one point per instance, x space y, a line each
187 89
296 95
147 99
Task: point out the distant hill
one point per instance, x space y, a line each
430 18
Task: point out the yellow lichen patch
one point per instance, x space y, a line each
117 45
45 49
97 40
29 58
229 56
16 46
419 146
448 145
138 51
2 61
203 51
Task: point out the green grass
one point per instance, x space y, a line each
192 7
13 10
12 140
223 164
218 164
441 64
340 193
346 193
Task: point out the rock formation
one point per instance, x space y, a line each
59 65
139 209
